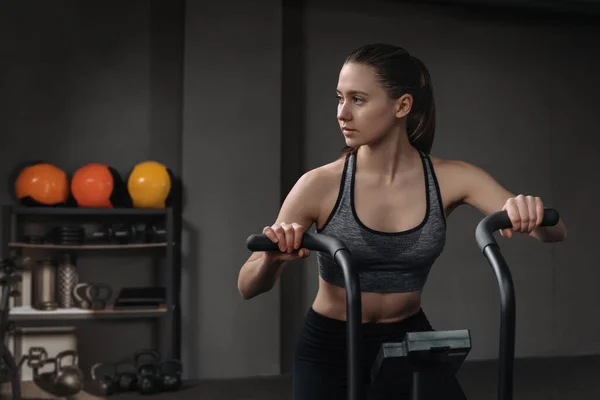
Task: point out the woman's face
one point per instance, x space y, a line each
365 111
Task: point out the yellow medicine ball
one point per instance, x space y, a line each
149 185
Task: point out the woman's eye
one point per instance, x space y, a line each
356 100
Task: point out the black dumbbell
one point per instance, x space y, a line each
117 232
156 233
63 234
149 233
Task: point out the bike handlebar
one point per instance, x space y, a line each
310 241
500 220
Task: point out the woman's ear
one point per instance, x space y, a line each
403 105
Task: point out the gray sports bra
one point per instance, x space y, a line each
387 262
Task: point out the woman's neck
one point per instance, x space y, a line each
387 158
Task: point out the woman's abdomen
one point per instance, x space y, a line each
376 307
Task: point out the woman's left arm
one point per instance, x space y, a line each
481 191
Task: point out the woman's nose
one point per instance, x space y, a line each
343 112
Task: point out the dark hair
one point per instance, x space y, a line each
400 73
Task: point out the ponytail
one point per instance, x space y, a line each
420 123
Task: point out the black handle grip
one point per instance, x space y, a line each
500 220
310 241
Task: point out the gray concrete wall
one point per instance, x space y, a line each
231 165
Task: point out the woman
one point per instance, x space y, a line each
387 199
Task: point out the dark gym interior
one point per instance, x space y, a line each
237 99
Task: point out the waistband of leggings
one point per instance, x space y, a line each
417 321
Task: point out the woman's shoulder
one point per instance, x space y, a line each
459 178
314 192
452 166
325 176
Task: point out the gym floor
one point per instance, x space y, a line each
535 379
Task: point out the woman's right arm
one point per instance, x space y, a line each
298 212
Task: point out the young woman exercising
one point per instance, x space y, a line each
387 199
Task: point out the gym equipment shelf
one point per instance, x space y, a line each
65 211
14 218
24 313
87 246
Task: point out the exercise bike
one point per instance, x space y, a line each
10 277
432 357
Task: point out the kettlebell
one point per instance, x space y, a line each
92 296
99 294
103 383
79 293
148 379
67 379
170 375
148 376
126 379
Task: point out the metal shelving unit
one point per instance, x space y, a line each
167 315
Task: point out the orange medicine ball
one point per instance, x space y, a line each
92 186
42 184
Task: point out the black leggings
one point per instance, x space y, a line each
320 363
